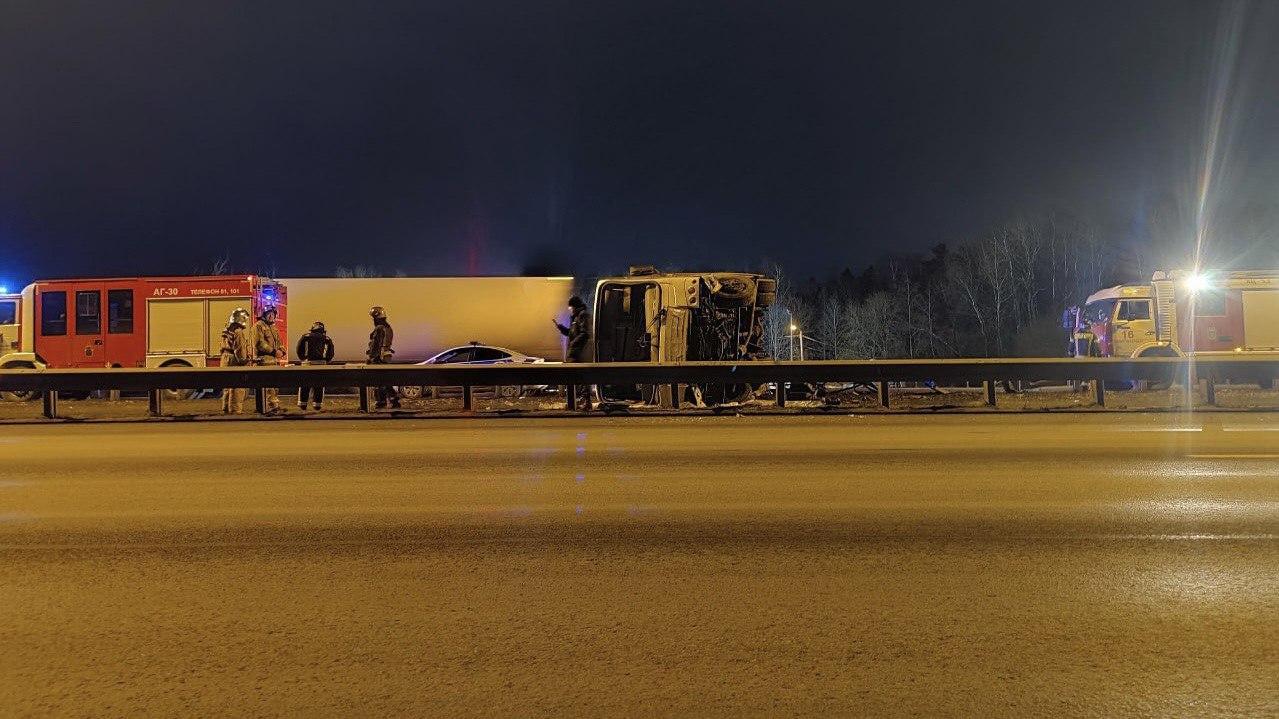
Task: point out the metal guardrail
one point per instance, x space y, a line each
877 372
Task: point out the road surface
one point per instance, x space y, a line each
1083 565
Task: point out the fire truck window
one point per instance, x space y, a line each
1098 312
120 312
88 313
8 313
1134 310
1210 304
53 314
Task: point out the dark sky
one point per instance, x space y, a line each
434 137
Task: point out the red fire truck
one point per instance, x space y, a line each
1181 313
130 322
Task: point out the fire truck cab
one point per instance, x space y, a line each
130 322
1115 322
1181 313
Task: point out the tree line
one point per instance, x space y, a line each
1001 294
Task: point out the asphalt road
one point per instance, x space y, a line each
1023 565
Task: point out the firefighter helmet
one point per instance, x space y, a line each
317 327
377 312
239 315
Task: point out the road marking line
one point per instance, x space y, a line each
1233 456
1250 429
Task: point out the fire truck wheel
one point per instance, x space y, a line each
1156 352
180 394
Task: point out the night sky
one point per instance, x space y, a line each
488 138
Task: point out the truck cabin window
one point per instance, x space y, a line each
1099 312
1134 310
8 313
88 312
53 314
120 312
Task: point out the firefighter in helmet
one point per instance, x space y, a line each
380 352
269 350
236 352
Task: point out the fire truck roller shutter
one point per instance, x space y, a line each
175 327
177 331
1261 319
1261 324
216 316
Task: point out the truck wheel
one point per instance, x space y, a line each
733 292
19 396
1158 352
180 394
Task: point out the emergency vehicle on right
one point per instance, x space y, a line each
1181 314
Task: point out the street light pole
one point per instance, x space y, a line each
790 336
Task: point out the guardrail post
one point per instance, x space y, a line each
113 395
781 394
1210 388
155 402
259 400
675 398
883 394
466 398
571 391
51 405
364 399
989 386
1099 391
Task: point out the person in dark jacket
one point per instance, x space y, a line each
580 347
380 352
314 347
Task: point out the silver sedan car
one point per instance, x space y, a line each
476 354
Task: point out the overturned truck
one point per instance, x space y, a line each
673 317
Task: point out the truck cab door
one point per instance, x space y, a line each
1133 327
52 330
88 344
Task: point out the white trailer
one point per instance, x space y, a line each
432 314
